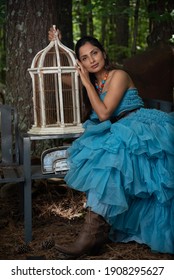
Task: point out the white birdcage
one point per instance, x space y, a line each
56 94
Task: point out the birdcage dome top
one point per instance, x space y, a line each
55 56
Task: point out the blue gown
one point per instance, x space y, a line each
126 169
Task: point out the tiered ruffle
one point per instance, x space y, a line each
127 172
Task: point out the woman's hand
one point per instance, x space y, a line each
83 73
53 33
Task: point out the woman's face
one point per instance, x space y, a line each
92 58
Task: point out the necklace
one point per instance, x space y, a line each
100 88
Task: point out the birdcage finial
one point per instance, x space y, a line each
56 32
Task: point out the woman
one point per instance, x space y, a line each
123 161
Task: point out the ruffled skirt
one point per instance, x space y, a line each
126 170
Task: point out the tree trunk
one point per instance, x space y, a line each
64 10
90 20
122 20
83 23
161 24
135 32
27 28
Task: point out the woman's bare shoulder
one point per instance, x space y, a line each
122 76
119 72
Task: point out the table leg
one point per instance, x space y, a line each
27 190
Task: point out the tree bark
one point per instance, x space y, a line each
27 28
135 32
161 24
64 18
122 20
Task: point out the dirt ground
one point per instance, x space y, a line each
58 214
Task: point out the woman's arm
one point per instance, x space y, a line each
117 84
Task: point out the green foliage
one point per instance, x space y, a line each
2 11
171 40
118 53
105 14
100 18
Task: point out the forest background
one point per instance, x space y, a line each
124 27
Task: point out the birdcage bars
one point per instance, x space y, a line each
56 102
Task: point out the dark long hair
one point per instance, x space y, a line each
108 66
